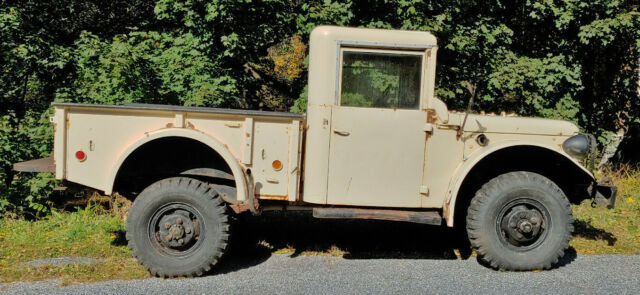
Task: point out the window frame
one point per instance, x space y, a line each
422 53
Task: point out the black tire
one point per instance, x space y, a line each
178 227
520 221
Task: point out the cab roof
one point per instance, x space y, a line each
371 37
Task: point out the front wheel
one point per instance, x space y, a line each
520 221
178 227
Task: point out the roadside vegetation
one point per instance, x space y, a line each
562 59
611 231
91 231
95 228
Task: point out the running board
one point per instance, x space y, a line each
424 217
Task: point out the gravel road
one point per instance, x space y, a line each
281 274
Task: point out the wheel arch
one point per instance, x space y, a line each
196 136
541 159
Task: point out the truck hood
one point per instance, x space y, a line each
515 125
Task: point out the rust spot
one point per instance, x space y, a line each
169 125
431 116
239 208
248 135
190 125
273 197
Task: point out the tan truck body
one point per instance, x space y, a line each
335 155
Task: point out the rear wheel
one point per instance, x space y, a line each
178 227
520 221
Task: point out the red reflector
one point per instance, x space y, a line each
80 155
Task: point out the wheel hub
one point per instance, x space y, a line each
177 230
522 226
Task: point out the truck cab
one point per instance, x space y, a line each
369 92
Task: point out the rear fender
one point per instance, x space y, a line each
238 172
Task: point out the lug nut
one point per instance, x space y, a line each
180 241
187 230
167 225
179 220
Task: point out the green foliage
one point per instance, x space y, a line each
525 84
21 192
565 59
300 104
147 67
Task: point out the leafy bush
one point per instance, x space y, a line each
147 67
24 191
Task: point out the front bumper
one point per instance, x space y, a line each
604 194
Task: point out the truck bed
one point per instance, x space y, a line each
109 134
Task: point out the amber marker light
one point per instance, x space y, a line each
277 165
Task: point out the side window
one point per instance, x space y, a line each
381 80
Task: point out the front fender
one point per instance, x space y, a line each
463 170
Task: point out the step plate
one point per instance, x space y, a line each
38 165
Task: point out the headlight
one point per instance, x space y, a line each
579 146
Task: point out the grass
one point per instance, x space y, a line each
93 231
84 233
611 231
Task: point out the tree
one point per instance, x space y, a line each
566 59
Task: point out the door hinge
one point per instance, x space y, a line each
428 127
424 190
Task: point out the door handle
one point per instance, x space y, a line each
340 132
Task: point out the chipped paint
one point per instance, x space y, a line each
272 197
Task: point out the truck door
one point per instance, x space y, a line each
377 145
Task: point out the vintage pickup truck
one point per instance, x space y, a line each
375 144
